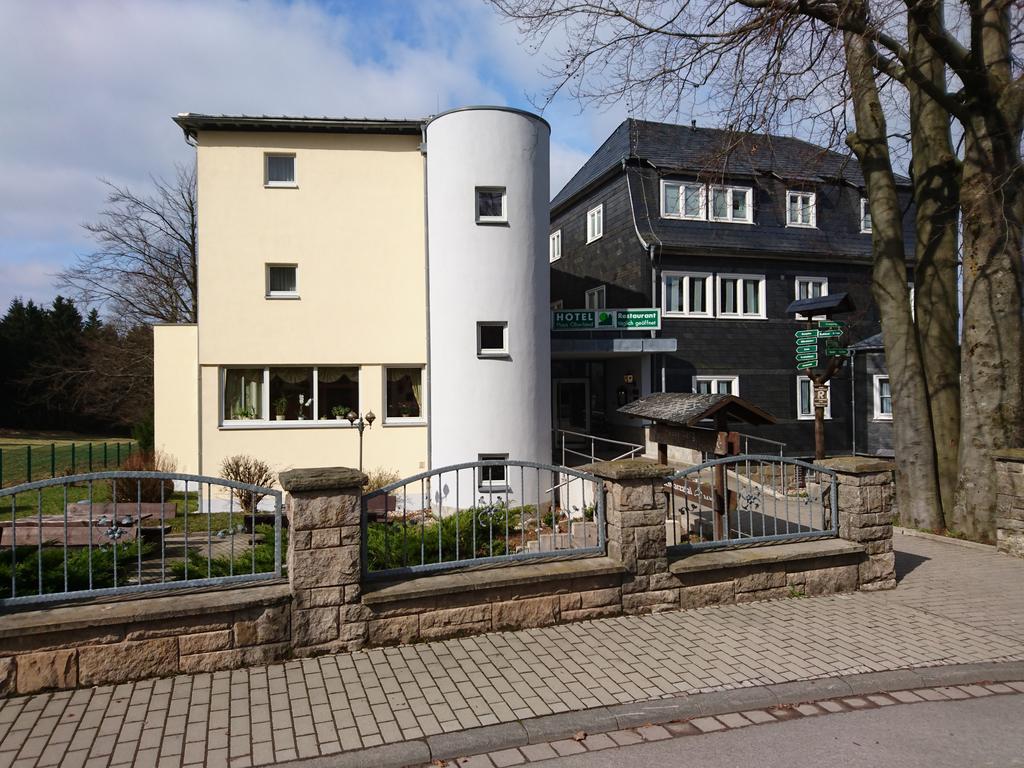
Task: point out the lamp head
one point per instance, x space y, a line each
351 416
370 418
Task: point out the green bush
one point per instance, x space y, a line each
396 545
103 560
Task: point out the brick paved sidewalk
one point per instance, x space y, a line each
953 606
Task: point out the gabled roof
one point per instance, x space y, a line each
688 409
713 152
870 343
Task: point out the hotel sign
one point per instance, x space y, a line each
606 320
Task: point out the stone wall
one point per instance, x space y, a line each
1010 502
114 642
327 606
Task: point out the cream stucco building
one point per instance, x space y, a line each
347 265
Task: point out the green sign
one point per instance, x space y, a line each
803 366
813 356
810 335
831 324
645 319
606 319
807 348
829 334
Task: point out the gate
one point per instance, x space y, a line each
480 513
751 499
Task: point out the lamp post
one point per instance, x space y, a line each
361 423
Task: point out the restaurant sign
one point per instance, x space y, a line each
606 320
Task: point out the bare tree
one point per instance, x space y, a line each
768 64
144 269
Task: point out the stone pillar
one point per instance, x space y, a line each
1010 502
635 512
866 506
324 562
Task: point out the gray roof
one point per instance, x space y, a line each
870 343
713 151
687 409
191 122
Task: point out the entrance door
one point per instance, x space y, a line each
572 405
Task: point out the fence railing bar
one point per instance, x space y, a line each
163 537
65 508
138 525
185 525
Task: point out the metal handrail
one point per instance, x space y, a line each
594 439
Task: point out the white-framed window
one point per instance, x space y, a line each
596 298
493 478
294 395
282 281
403 395
805 398
732 204
491 205
800 209
740 296
865 216
720 385
595 223
492 339
687 294
683 200
810 288
279 170
555 245
882 397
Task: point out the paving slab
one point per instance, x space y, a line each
539 685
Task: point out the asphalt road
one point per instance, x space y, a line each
980 733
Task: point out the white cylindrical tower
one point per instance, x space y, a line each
489 328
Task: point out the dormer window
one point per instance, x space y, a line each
683 200
732 204
800 209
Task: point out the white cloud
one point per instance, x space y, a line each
90 88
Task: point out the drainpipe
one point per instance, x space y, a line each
426 276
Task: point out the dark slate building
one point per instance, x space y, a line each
720 231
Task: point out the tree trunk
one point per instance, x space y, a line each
917 479
992 407
936 177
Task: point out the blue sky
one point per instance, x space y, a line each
90 87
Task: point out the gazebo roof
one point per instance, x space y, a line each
688 409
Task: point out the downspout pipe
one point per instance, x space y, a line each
426 275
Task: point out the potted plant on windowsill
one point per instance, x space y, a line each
339 412
280 406
405 409
304 403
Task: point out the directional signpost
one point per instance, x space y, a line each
809 353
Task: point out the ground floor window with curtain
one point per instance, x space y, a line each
404 395
243 394
291 393
337 392
805 398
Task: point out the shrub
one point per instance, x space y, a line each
149 489
251 471
380 477
481 533
103 560
143 434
